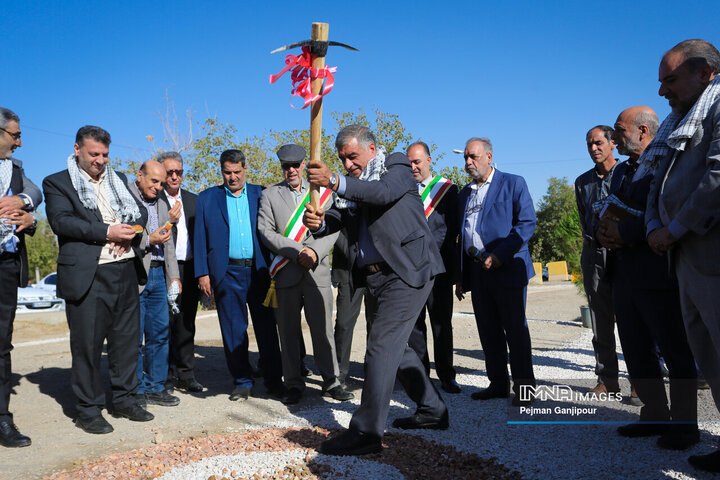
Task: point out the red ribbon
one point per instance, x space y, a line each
303 74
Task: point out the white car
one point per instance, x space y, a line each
49 282
38 299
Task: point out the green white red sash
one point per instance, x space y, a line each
295 229
434 192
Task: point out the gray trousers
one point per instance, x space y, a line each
317 302
599 294
700 302
392 308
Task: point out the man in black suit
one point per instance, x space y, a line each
18 197
182 325
92 212
394 255
439 196
646 300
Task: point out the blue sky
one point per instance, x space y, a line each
532 76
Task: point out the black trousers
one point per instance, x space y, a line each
646 318
347 312
392 307
182 325
9 278
439 307
110 310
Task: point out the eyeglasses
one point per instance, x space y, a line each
179 173
471 155
288 166
14 135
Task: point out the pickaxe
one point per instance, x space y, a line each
318 44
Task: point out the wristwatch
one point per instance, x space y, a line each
26 201
333 180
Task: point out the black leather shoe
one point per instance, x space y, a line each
96 425
293 396
162 398
240 393
134 413
641 429
419 420
491 392
338 393
11 437
191 385
450 386
351 442
277 391
674 440
709 462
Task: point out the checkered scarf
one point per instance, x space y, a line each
7 232
674 136
120 198
373 171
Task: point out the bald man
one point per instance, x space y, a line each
646 300
162 270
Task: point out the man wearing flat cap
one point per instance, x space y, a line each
301 276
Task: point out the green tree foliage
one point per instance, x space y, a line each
456 175
42 249
558 235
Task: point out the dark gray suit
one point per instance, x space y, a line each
102 301
393 212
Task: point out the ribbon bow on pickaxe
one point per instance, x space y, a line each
303 72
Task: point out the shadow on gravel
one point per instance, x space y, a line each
56 384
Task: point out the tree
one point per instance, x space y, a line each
42 249
558 235
456 175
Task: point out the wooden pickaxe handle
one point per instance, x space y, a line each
319 32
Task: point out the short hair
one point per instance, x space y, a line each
606 129
649 119
697 53
422 144
162 156
487 144
361 133
96 133
7 116
232 156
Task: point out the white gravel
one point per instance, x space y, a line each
554 451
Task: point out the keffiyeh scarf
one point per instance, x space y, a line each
119 196
7 231
373 171
673 135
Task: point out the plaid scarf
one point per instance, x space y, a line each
120 198
674 136
7 232
373 171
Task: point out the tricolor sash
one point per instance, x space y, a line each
294 230
433 193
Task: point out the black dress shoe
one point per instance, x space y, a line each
491 392
96 425
134 413
11 437
292 396
277 391
240 393
419 420
450 386
709 462
189 385
641 429
338 393
162 398
678 440
351 442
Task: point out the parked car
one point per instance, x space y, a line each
38 299
49 282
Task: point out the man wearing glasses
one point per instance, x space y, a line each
497 219
301 276
182 324
18 196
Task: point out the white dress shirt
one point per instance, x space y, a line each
181 246
471 223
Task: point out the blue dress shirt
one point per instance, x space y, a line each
241 240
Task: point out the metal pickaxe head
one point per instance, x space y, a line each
318 48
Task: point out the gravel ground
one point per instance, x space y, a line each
207 437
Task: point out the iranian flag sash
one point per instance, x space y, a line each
434 192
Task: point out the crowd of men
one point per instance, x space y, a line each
135 256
